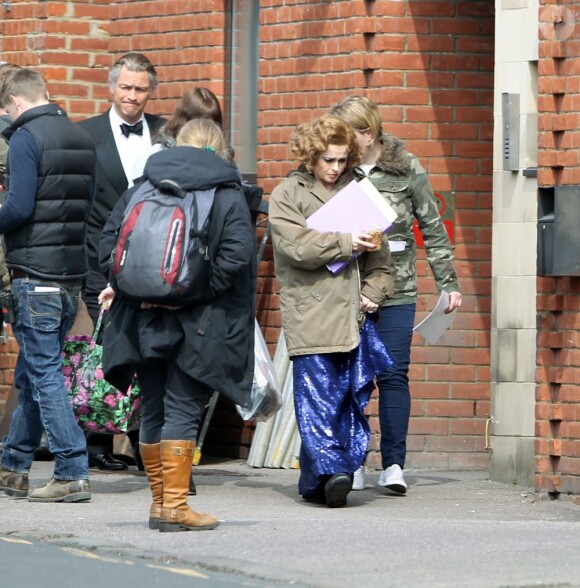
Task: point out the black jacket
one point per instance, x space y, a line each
52 245
213 342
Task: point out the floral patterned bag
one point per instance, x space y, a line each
97 405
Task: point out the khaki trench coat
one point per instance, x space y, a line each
320 311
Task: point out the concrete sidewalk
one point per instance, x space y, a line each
453 529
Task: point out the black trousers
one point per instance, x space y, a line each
173 402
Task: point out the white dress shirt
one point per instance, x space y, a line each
130 147
140 162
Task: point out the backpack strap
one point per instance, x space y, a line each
203 201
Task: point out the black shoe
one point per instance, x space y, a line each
192 489
43 454
336 490
314 499
137 458
104 461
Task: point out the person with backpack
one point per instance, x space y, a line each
181 348
196 102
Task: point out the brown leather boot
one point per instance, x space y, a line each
151 456
176 457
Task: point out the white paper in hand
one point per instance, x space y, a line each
436 322
358 206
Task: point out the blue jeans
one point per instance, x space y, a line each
396 327
42 320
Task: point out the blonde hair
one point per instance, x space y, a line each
310 140
361 114
204 134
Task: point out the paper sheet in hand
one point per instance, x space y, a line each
357 207
436 322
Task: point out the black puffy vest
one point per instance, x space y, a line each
52 245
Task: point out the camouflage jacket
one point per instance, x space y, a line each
401 179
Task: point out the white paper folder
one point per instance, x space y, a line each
357 207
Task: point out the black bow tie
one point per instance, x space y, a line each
136 128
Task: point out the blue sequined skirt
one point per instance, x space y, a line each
331 392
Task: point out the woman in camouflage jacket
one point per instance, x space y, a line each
401 179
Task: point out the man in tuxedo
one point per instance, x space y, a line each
121 134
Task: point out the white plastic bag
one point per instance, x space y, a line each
266 396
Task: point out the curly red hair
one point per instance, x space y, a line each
310 140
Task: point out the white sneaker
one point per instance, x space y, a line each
358 480
392 479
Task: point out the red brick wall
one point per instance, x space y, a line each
75 42
429 64
558 389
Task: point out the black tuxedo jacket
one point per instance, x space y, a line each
110 183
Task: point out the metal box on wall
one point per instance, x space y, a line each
558 252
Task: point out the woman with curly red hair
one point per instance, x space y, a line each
335 348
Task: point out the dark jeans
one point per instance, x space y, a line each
173 402
44 311
396 327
